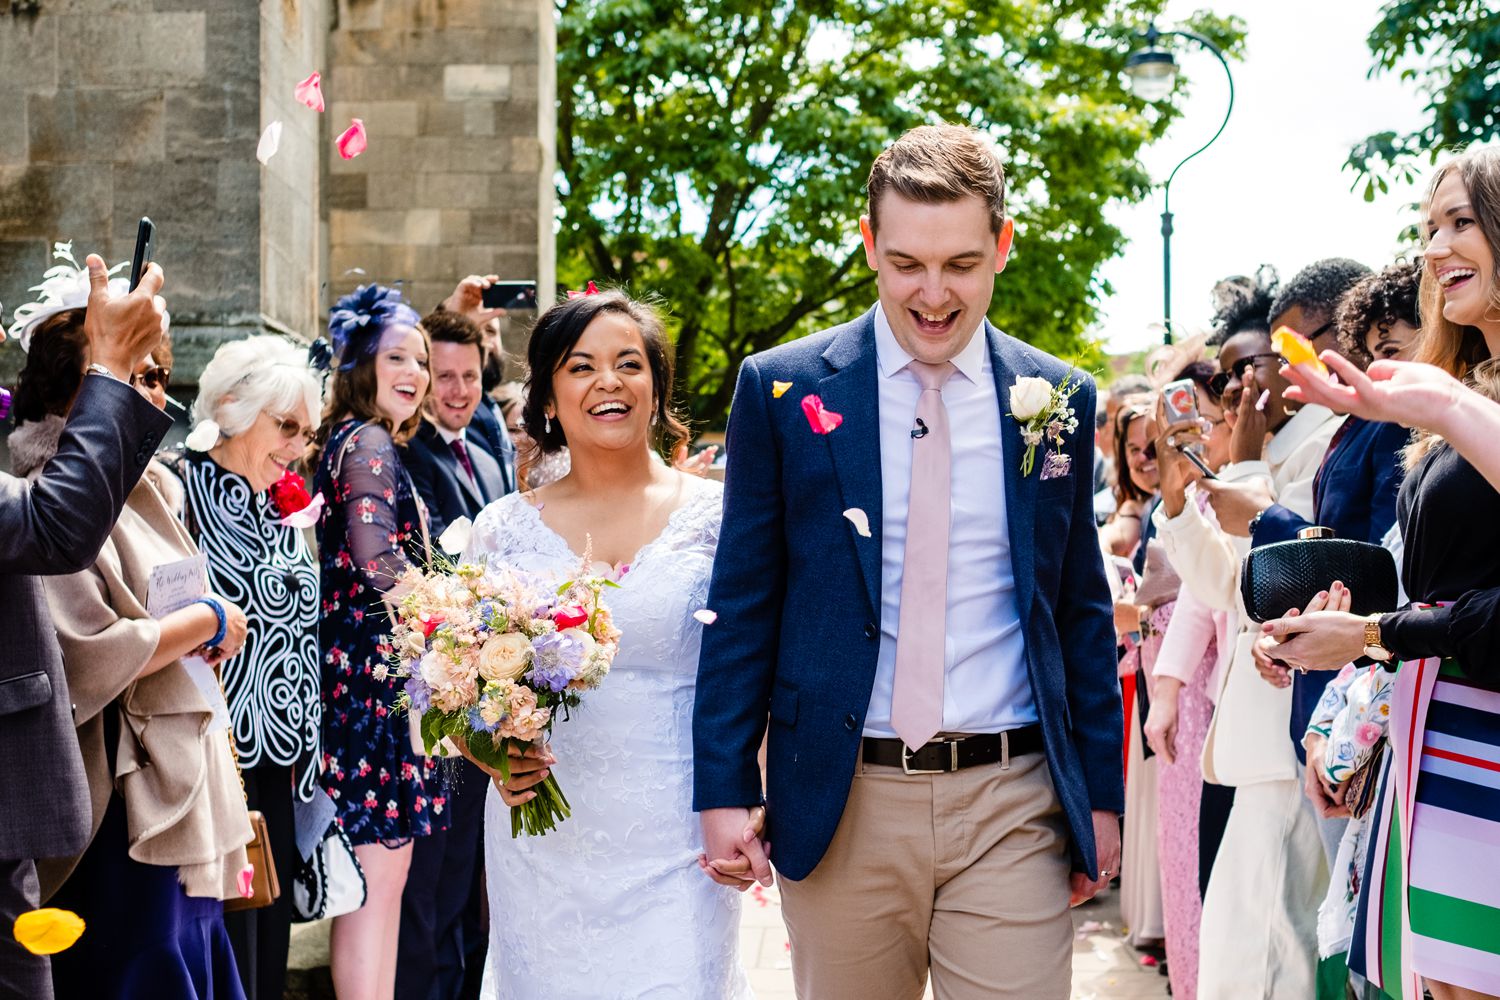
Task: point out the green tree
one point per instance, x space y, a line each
1451 50
714 152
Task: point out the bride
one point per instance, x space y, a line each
612 902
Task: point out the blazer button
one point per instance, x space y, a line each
850 722
871 631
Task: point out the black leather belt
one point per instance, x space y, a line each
954 754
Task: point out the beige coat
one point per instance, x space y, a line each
184 803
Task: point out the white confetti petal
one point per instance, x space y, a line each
706 616
860 520
270 141
456 537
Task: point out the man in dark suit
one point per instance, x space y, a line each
920 610
57 525
456 473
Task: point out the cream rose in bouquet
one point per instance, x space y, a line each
492 657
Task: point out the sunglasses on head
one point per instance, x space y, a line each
154 377
1220 381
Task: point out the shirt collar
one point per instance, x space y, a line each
448 436
892 358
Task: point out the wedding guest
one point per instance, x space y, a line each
56 523
256 413
1104 440
373 530
1270 848
1447 643
168 820
1136 464
467 301
456 474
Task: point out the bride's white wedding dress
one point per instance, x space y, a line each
612 904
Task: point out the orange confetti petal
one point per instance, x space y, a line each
1297 349
778 389
48 931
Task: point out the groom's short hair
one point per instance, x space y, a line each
934 164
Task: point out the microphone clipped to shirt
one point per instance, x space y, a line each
919 431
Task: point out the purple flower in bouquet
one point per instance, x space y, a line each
558 657
419 693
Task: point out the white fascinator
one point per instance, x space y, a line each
65 285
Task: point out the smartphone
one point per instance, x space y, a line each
1191 454
510 295
145 247
1180 399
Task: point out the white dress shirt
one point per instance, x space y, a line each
986 686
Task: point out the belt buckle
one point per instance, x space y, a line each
906 767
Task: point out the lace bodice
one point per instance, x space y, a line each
612 902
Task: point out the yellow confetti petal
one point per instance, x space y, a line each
48 931
778 389
1296 348
860 520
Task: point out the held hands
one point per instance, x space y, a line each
468 299
1325 796
1325 636
734 852
1107 850
122 331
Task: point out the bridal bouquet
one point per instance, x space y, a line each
492 655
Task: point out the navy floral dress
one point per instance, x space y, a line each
371 531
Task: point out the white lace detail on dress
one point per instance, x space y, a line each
612 903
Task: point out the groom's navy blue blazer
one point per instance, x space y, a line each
797 594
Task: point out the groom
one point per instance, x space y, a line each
944 754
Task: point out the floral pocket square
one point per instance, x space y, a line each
1056 465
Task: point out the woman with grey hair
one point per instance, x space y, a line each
256 412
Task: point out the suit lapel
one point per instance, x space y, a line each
489 473
1008 363
855 446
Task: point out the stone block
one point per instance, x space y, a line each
510 226
383 83
423 227
362 15
21 265
202 122
464 155
367 228
481 82
14 139
479 118
440 118
57 202
454 225
526 153
346 191
96 126
28 53
394 190
515 13
516 118
387 118
451 191
139 50
513 190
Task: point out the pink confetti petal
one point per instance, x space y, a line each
706 616
822 421
1265 397
310 92
353 141
246 880
307 516
270 141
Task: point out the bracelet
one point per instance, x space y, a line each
219 614
97 369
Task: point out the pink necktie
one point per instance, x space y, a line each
917 697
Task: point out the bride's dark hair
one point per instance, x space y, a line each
558 330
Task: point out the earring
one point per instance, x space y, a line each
547 424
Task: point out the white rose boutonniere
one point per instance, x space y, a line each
1043 412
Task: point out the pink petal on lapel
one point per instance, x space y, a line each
270 141
706 616
822 421
353 141
310 92
860 520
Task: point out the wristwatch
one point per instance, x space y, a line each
1374 648
1255 521
97 369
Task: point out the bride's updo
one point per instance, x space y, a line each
553 338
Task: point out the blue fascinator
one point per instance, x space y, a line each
357 320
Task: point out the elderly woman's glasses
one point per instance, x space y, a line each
291 428
154 377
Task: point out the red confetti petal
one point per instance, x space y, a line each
353 141
310 92
822 421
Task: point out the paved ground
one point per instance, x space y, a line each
1104 967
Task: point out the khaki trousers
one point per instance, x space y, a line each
965 872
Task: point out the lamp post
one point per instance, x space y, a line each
1153 72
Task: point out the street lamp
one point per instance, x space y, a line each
1153 73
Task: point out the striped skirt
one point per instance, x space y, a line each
1431 901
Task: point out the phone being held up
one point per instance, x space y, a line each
145 248
510 295
1180 400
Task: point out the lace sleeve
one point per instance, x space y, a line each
699 526
369 473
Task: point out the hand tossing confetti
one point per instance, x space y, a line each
706 616
822 421
860 520
778 389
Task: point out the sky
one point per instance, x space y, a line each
1271 189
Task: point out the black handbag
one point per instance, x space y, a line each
1285 575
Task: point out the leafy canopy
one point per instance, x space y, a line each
714 153
1451 50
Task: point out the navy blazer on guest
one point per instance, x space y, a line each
1355 495
797 593
441 482
490 422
